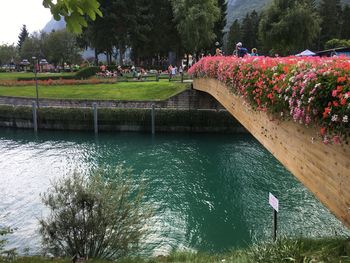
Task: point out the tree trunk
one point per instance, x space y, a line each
96 57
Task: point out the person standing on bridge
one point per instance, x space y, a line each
240 51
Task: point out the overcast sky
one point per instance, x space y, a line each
15 13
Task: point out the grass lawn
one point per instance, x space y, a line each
15 75
119 91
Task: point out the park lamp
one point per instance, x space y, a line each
35 62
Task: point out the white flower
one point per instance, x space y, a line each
334 117
317 85
310 99
282 114
345 118
346 96
299 103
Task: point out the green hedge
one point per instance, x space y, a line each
86 73
82 118
46 78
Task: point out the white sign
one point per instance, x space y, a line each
273 201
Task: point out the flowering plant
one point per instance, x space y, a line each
311 90
57 82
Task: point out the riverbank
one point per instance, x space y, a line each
330 250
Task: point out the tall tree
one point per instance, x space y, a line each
60 47
8 54
330 13
288 26
345 27
250 30
234 36
22 37
195 20
221 23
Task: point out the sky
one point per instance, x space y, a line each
16 13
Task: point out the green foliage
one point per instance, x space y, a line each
250 30
345 27
86 73
195 22
234 36
74 12
330 12
61 46
22 36
57 47
335 43
288 26
6 255
8 54
47 77
101 216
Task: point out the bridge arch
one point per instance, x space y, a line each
323 169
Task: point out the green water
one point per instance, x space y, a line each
210 191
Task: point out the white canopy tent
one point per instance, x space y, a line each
306 53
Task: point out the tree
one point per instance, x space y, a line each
195 20
288 26
335 43
8 54
234 36
74 12
330 13
250 30
221 23
61 46
34 46
100 216
22 37
345 28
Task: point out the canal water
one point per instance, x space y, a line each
210 191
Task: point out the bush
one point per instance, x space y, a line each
46 78
86 73
6 255
97 217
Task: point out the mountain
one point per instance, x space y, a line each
237 9
54 25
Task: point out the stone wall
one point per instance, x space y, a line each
188 99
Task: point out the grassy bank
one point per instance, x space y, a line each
120 91
16 75
299 251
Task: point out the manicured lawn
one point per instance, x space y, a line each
15 75
120 91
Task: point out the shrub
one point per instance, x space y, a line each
86 73
100 216
43 78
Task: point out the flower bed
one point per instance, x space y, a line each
311 91
56 82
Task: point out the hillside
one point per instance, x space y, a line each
237 9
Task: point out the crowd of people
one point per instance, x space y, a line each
239 51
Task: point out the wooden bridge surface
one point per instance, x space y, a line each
323 169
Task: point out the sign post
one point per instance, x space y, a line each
273 201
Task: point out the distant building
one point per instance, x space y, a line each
342 51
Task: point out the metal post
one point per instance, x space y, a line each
153 119
274 228
95 118
36 80
182 77
35 120
157 76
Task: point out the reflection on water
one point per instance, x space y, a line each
210 192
